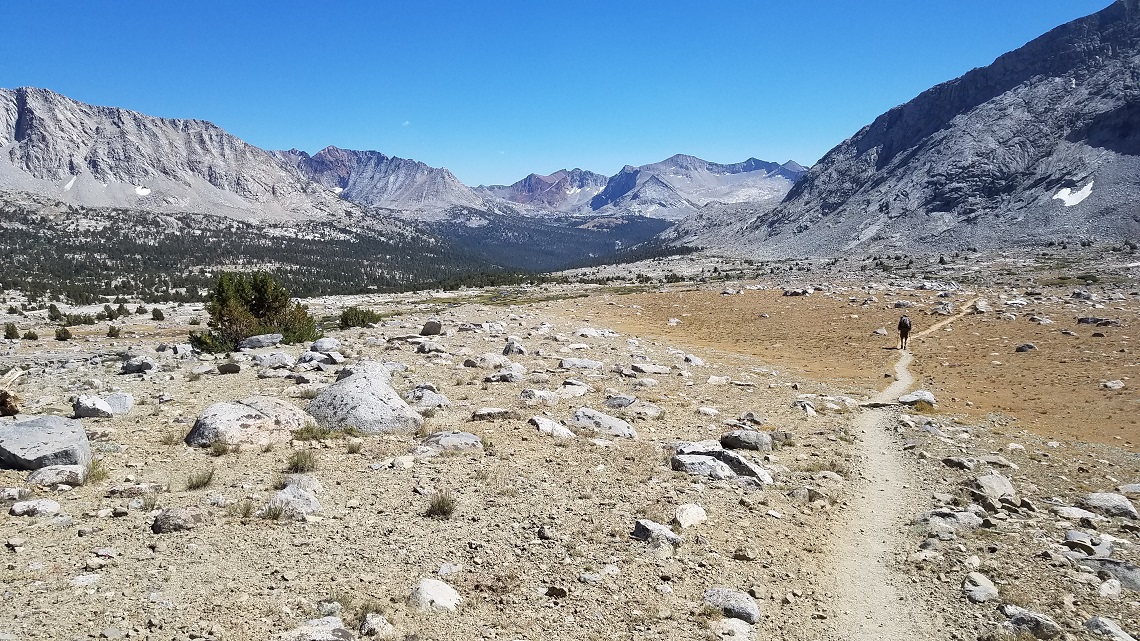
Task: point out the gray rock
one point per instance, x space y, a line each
328 628
137 365
120 403
979 588
366 401
1076 513
431 328
1026 347
647 530
434 595
261 341
643 410
91 407
917 396
275 360
451 440
376 625
1110 504
747 440
698 465
588 418
426 399
995 486
1114 385
494 414
38 507
740 465
551 428
43 441
257 420
179 519
572 388
229 368
1034 623
734 604
514 348
532 397
579 363
689 515
618 401
646 368
1129 489
325 345
295 501
1106 627
53 475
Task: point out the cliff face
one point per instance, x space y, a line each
1041 145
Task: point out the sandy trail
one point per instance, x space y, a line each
870 604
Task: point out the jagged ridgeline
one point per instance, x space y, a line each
84 252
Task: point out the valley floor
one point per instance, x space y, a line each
874 518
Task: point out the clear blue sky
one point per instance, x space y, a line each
496 90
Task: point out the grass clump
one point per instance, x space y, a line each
242 509
96 472
10 331
442 505
274 511
221 448
199 480
302 461
355 446
312 432
149 501
31 336
113 331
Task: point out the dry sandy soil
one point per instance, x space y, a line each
539 546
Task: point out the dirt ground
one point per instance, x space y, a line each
971 364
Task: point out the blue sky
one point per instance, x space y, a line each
496 90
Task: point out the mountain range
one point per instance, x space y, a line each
1042 146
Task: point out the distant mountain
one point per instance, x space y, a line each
1041 146
565 191
54 146
671 189
373 179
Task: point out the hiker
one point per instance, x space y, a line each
904 330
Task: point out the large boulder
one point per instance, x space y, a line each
295 501
604 423
120 403
54 475
1110 504
747 440
325 345
179 519
366 401
261 341
257 420
137 365
325 629
43 441
91 407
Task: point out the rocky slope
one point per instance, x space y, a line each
110 157
409 188
1039 146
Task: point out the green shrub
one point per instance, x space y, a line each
10 331
13 310
122 310
357 317
113 331
244 305
62 334
53 313
141 310
31 336
70 320
157 314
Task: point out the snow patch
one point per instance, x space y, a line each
70 184
338 190
142 191
1070 197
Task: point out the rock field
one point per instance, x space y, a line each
564 467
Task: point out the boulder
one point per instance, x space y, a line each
431 328
747 440
325 345
275 360
425 398
646 368
551 428
43 441
38 507
229 368
1034 623
178 519
54 475
1110 504
1105 627
295 501
434 595
739 465
137 365
366 401
916 397
120 403
994 486
257 420
733 604
689 515
448 441
532 397
592 419
979 588
647 530
91 407
261 341
701 466
1026 347
1076 513
514 348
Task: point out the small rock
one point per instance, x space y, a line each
38 507
689 515
979 588
434 595
734 604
